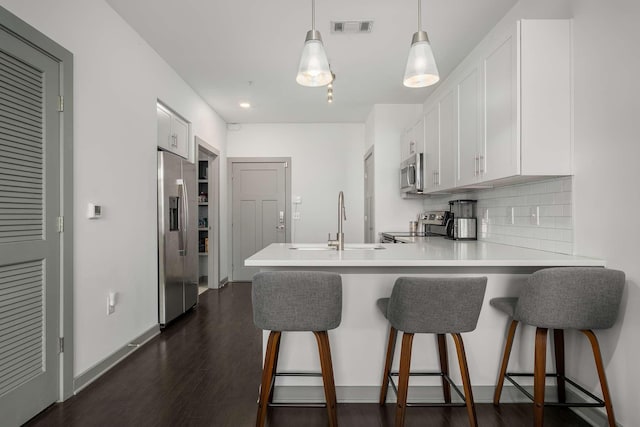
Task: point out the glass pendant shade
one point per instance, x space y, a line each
313 70
421 68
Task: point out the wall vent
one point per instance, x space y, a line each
351 26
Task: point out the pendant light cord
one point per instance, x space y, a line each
419 15
313 14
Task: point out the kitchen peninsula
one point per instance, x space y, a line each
368 273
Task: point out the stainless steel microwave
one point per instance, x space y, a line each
411 175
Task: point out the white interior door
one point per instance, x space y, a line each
258 212
29 238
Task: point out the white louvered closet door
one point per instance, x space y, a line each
29 238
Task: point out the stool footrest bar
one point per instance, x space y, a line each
296 405
598 403
429 374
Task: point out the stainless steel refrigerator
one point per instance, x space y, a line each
177 237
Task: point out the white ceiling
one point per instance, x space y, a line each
219 46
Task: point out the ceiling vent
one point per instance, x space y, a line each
351 27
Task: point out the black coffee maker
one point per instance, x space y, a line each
462 223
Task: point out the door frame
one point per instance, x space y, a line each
370 232
213 262
28 34
287 199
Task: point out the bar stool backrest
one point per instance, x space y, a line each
297 300
436 305
571 298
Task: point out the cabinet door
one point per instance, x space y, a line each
431 149
502 147
418 137
164 128
448 140
467 170
180 130
405 140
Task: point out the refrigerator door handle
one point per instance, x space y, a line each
186 218
182 224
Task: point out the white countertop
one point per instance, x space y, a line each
429 252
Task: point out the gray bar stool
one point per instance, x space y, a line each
296 301
435 306
582 298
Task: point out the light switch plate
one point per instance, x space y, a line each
94 211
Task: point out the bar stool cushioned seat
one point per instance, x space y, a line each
582 298
437 306
296 301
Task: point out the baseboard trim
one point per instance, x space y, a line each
424 394
224 281
97 370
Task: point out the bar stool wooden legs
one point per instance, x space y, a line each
466 381
405 372
268 377
601 375
327 376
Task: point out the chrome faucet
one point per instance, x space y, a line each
339 242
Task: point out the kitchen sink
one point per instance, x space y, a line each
347 247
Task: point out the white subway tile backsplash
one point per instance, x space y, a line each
554 186
563 198
553 229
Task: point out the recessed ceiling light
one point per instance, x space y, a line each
245 105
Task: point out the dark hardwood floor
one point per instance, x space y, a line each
204 370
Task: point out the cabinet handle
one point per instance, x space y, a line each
437 177
174 138
481 165
475 166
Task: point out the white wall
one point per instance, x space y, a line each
117 79
384 126
606 120
326 158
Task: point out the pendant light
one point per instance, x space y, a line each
313 70
421 68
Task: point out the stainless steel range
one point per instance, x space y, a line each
430 224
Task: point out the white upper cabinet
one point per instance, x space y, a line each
448 140
528 101
511 99
545 88
412 140
440 134
501 157
470 153
173 132
431 148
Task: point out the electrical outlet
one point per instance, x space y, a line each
297 200
511 215
111 303
534 217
